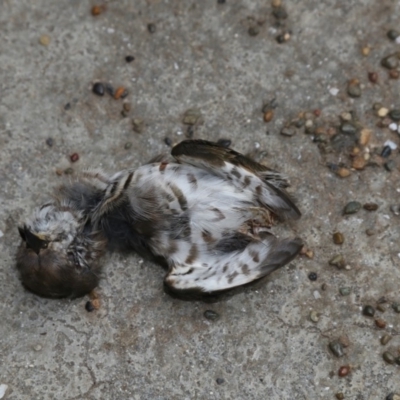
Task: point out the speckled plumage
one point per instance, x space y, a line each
206 213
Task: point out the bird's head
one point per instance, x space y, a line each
59 255
50 227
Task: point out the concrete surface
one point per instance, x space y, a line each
142 344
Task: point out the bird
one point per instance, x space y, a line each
205 212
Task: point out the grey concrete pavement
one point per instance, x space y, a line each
142 344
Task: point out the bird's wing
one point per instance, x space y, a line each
241 171
220 271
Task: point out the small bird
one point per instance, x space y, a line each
206 214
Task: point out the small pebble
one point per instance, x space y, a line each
368 311
98 88
97 10
74 157
211 315
394 74
393 126
129 59
224 142
312 276
345 291
396 307
67 107
337 261
339 396
288 131
268 116
348 128
276 3
314 316
352 207
381 308
137 125
253 30
370 232
338 238
336 348
346 116
380 323
365 136
354 88
385 339
394 115
365 51
344 371
309 253
220 381
386 152
373 77
50 142
69 171
388 357
317 295
390 165
391 144
38 347
359 162
191 116
120 93
370 206
151 28
334 91
283 37
390 62
309 123
343 172
89 306
382 112
44 40
392 34
127 145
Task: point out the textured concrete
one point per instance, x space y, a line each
142 344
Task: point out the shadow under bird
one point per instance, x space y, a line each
206 214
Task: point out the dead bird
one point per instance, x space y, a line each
206 214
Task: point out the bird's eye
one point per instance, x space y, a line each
45 245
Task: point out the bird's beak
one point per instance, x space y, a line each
33 241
